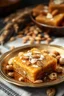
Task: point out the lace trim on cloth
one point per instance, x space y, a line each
8 90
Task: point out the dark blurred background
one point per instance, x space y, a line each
8 6
32 2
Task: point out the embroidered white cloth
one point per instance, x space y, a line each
7 89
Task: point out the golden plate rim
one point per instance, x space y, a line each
24 84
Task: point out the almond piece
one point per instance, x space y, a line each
21 79
9 67
38 81
39 63
11 74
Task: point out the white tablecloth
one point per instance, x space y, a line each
7 89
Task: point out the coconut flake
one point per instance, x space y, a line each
41 57
49 15
28 54
20 57
24 72
36 51
33 60
24 61
36 66
10 61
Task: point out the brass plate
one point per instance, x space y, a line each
5 57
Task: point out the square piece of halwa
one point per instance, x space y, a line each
34 63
